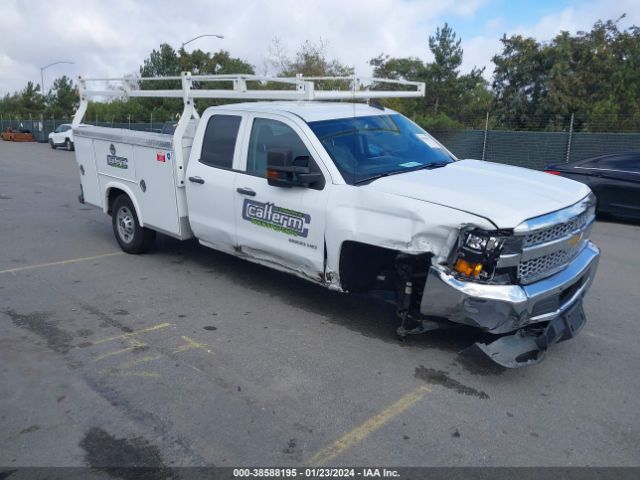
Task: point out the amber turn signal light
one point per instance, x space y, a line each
467 268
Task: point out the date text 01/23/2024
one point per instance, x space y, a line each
315 473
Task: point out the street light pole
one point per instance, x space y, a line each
200 36
42 69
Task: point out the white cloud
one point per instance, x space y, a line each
581 16
478 52
113 38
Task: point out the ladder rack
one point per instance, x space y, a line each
243 87
296 88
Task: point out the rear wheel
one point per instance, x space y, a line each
131 237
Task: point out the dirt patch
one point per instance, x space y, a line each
126 458
439 377
39 323
31 429
84 332
106 319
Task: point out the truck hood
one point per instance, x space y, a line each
504 194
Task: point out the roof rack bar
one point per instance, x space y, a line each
298 88
305 88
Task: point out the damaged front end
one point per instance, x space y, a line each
525 286
529 345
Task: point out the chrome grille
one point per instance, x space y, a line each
536 268
558 231
551 241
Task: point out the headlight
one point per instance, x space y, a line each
477 254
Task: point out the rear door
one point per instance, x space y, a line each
281 226
211 179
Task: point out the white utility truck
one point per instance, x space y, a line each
352 196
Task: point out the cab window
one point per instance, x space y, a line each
267 134
219 143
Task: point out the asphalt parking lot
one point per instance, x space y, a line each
186 356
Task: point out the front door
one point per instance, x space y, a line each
283 227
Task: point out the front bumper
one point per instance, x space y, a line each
501 309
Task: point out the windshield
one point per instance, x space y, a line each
366 148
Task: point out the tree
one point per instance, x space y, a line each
218 63
31 100
408 68
443 73
63 98
26 102
592 75
311 61
519 78
449 96
167 62
163 62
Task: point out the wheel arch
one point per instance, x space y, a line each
114 190
360 263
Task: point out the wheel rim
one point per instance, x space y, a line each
125 224
68 145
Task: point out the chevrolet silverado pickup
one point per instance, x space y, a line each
355 197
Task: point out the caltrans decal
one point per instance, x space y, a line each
276 218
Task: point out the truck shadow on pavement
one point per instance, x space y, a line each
367 315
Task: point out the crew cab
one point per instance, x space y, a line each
357 198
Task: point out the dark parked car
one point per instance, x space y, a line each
615 179
169 127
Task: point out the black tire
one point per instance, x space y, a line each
53 145
69 144
131 237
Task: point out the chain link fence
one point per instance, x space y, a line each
42 127
504 143
496 142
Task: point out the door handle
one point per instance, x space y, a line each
246 191
196 180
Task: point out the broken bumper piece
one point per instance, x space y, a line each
529 346
502 309
529 318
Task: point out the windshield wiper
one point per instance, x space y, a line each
397 172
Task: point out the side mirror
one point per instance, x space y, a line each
286 172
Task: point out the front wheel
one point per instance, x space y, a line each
69 144
53 145
131 237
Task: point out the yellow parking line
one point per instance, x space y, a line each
134 333
115 373
111 354
367 428
133 363
62 262
191 344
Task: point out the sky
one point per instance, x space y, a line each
112 38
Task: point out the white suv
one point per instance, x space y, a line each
62 136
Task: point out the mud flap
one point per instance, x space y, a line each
528 347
